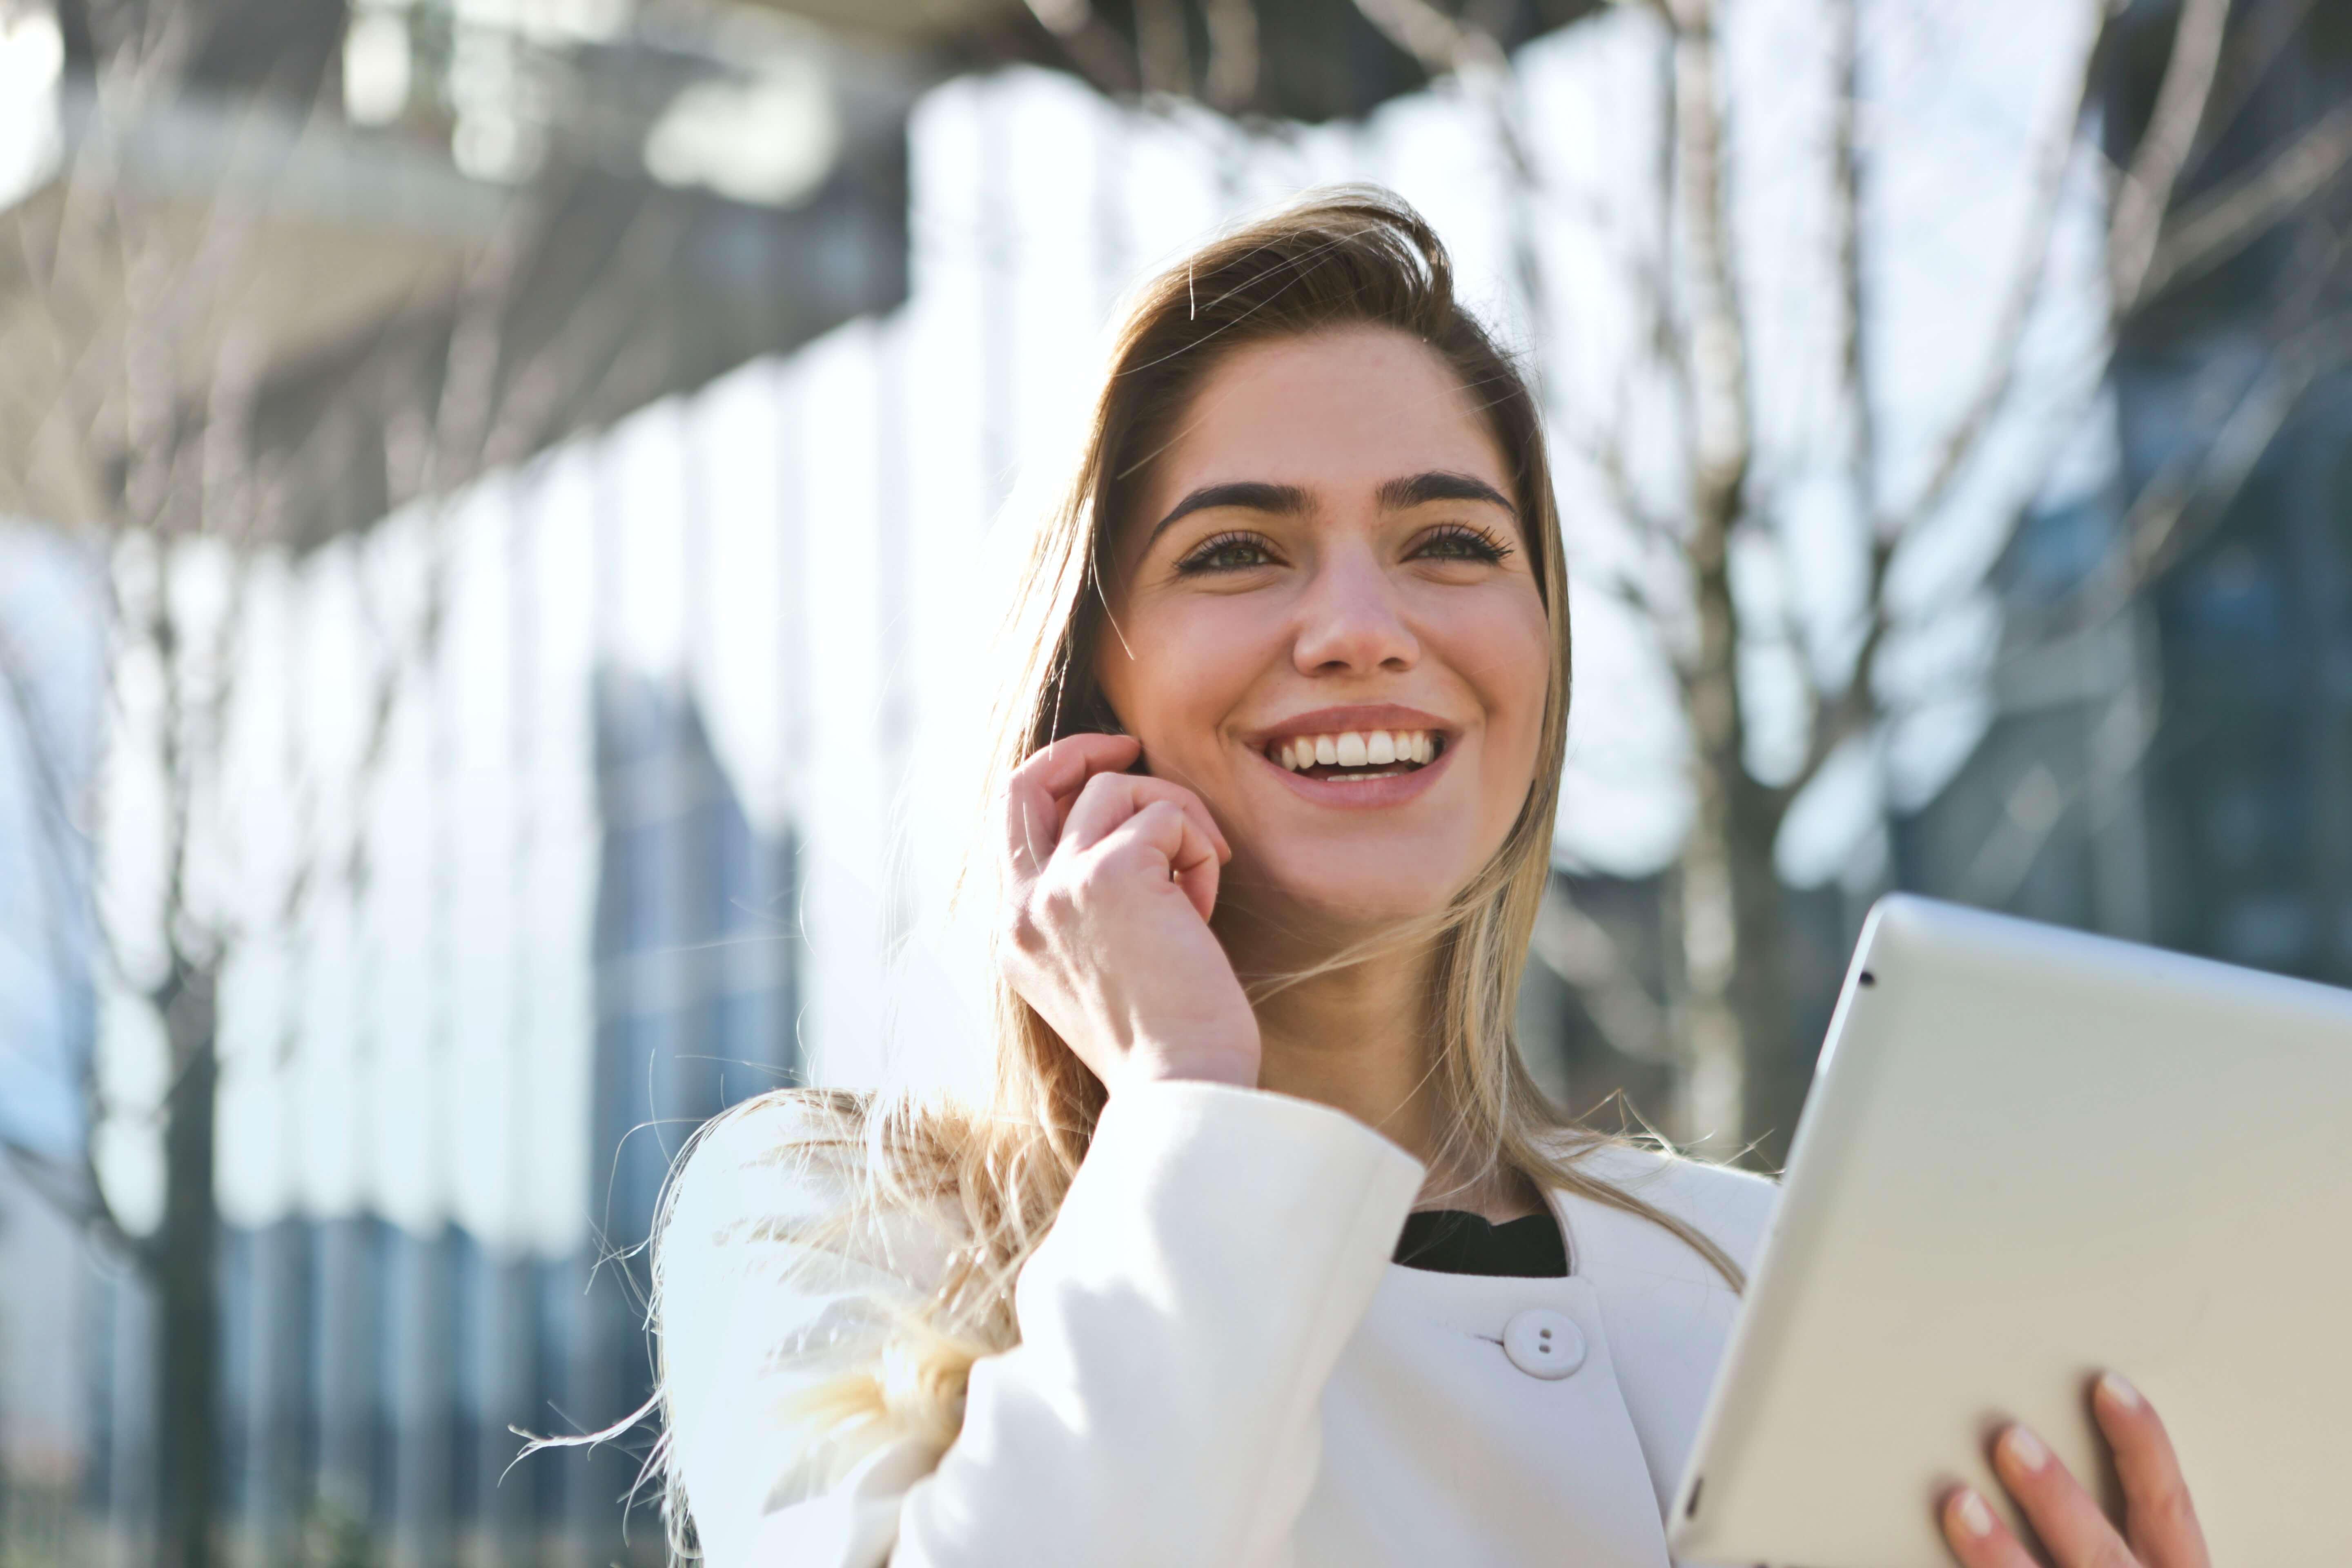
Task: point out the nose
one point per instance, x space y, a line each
1351 620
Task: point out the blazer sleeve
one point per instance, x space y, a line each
1177 1327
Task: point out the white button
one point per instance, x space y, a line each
1544 1344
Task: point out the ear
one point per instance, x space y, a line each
1102 718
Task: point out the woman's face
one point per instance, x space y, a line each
1327 626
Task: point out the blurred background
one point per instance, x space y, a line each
497 508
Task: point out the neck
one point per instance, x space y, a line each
1359 1038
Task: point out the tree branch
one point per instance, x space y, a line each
1975 423
1605 454
2192 494
1581 952
2267 31
1855 710
1717 358
2200 494
1853 309
2174 512
2221 225
1853 329
72 1190
2144 193
580 361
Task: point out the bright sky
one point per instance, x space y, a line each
31 54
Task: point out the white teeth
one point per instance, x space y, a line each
1356 749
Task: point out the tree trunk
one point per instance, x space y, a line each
184 1267
1743 1082
1729 1006
1734 1025
1775 1070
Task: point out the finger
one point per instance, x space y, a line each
1063 767
2070 1523
1032 826
1976 1534
1098 761
1167 832
2159 1519
1109 799
1038 793
1196 865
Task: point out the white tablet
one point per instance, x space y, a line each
2029 1155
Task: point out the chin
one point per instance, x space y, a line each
1351 894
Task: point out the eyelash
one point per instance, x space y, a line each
1200 559
1480 544
1476 543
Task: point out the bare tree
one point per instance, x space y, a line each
1732 919
163 349
1726 1020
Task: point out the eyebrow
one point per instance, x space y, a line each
1290 500
1250 495
1396 495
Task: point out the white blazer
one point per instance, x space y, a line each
1218 1366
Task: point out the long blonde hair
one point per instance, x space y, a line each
998 1173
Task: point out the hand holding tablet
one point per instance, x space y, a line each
2033 1157
2160 1528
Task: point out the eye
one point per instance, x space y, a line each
1460 542
1226 553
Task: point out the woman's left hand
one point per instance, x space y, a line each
2160 1525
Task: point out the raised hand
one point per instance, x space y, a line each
2159 1526
1109 880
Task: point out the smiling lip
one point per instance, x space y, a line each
1334 720
1364 792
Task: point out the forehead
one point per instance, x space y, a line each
1333 413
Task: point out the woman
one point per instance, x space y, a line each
1266 1250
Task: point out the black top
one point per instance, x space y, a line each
1455 1241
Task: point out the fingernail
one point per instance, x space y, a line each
2026 1451
2119 1393
1974 1517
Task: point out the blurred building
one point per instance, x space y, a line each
51 650
708 189
377 1374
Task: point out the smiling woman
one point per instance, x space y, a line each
1345 569
1288 697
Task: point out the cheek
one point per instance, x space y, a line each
1504 651
1174 669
